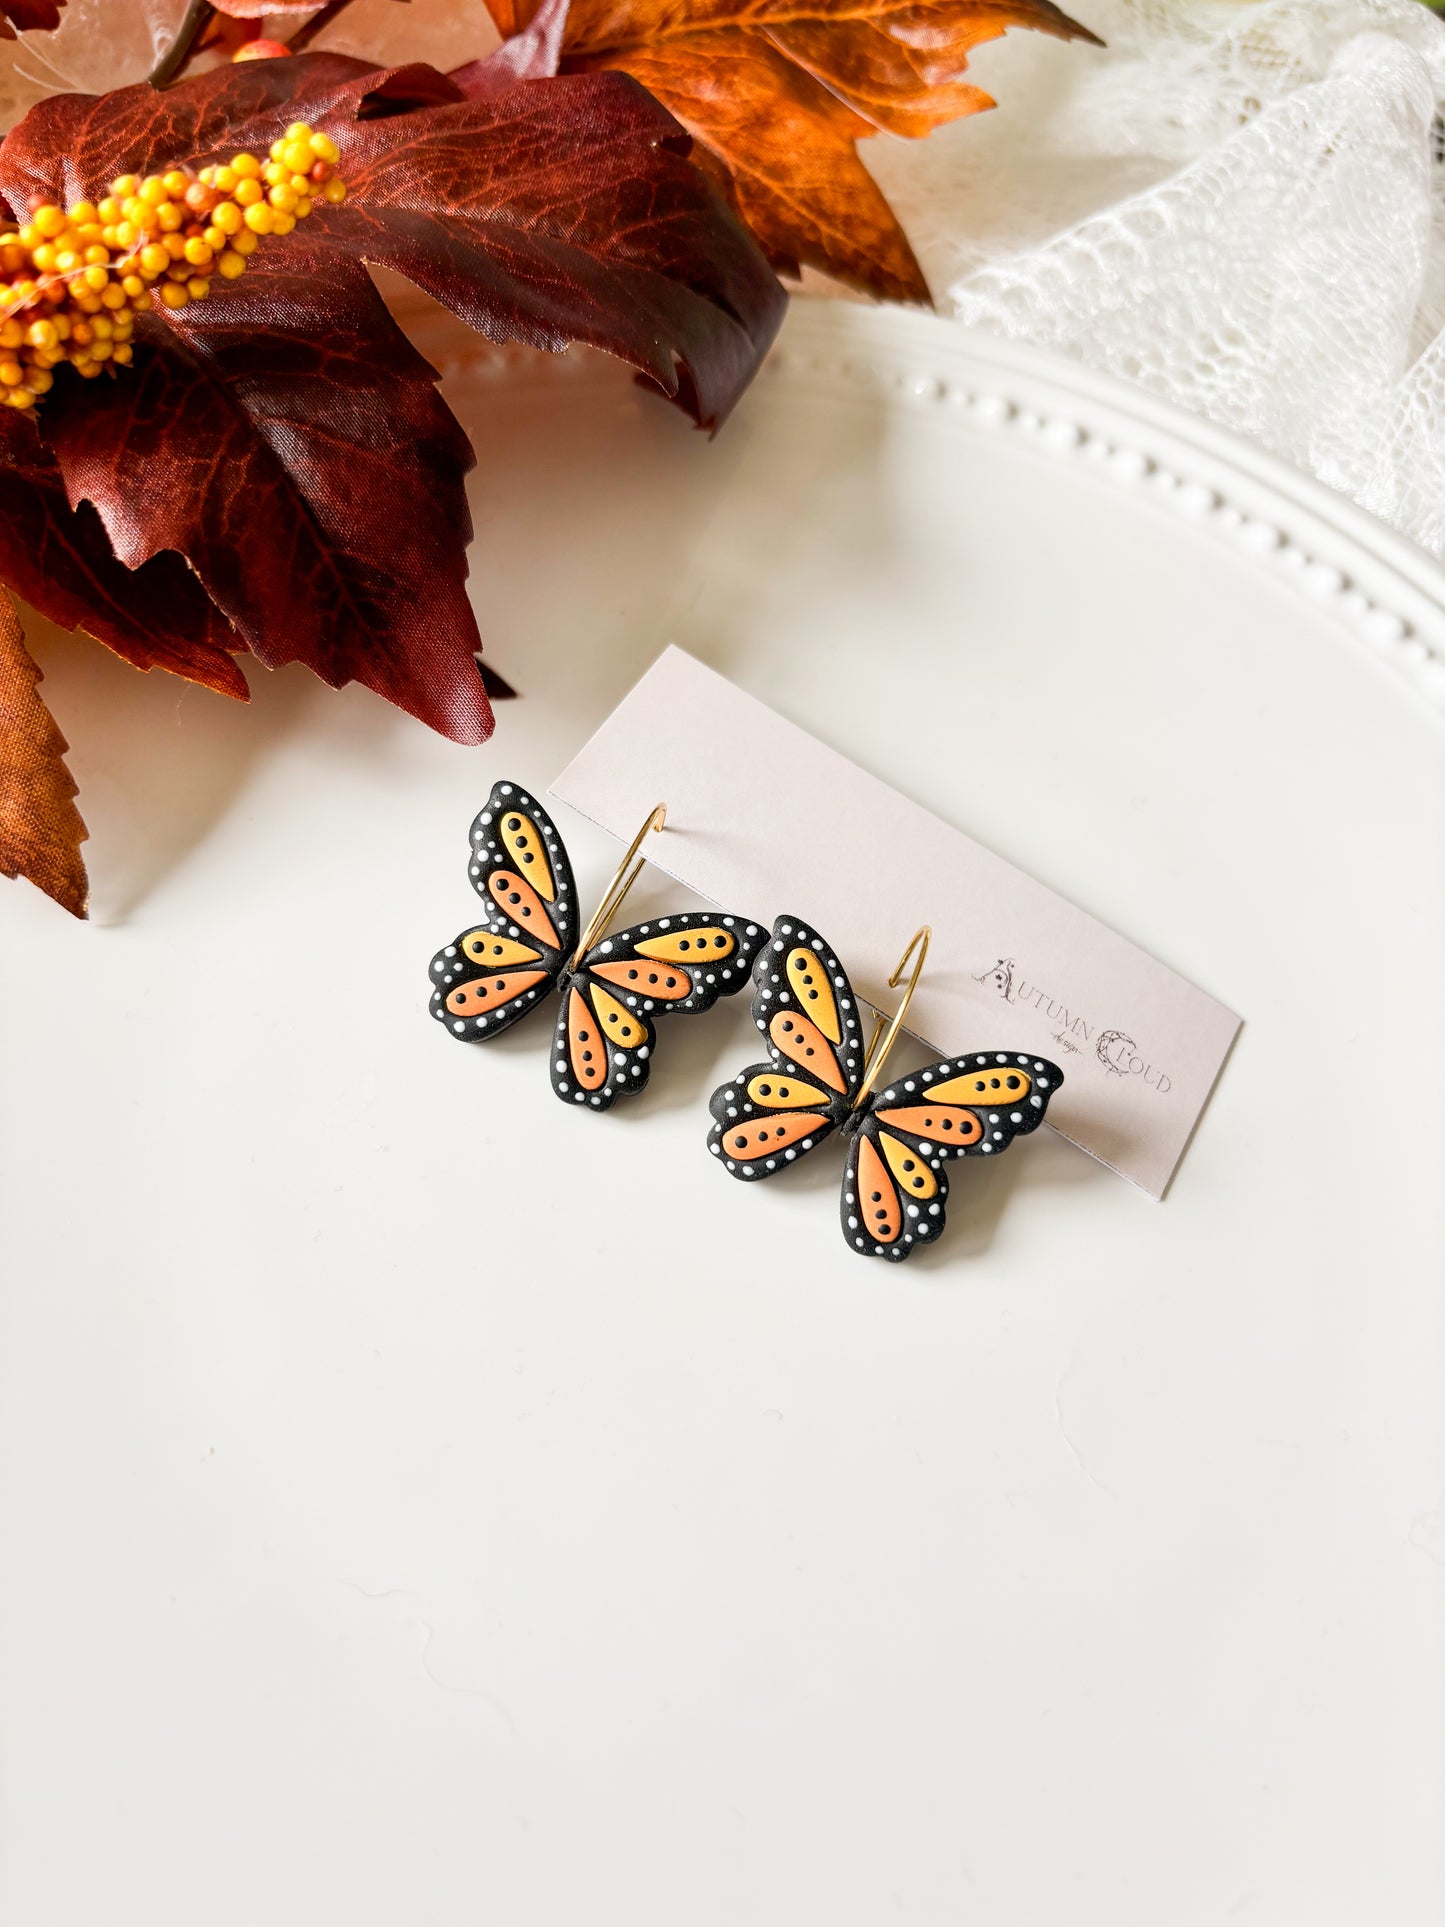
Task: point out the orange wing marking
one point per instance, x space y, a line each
520 904
767 1135
801 1041
945 1123
483 994
878 1206
653 980
584 1043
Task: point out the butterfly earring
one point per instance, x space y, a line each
819 1079
610 986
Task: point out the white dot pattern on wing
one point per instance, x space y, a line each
627 1069
733 1106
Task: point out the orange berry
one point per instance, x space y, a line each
173 295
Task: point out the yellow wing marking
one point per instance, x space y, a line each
523 839
619 1026
1003 1085
915 1179
778 1093
813 991
497 953
690 946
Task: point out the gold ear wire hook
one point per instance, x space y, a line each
617 889
878 1053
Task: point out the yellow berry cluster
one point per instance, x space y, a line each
71 284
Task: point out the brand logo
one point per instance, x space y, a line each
1115 1049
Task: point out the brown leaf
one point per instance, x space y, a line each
780 91
40 828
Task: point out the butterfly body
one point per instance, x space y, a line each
496 972
900 1139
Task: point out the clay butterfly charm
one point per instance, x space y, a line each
528 945
818 1079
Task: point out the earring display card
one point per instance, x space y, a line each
762 815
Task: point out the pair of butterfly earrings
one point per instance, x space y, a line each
818 1079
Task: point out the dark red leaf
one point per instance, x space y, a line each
156 617
282 436
28 16
532 53
566 210
295 449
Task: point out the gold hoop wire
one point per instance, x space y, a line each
878 1053
622 882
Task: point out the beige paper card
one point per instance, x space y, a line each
1012 966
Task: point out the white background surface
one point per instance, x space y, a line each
424 1504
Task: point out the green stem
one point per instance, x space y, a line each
197 19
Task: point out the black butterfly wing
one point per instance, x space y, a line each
495 972
774 1113
605 1032
895 1189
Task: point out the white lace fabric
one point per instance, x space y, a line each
1238 204
1240 207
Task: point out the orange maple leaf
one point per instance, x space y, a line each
779 92
40 828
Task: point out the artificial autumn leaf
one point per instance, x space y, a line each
156 617
40 828
282 436
28 16
779 92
